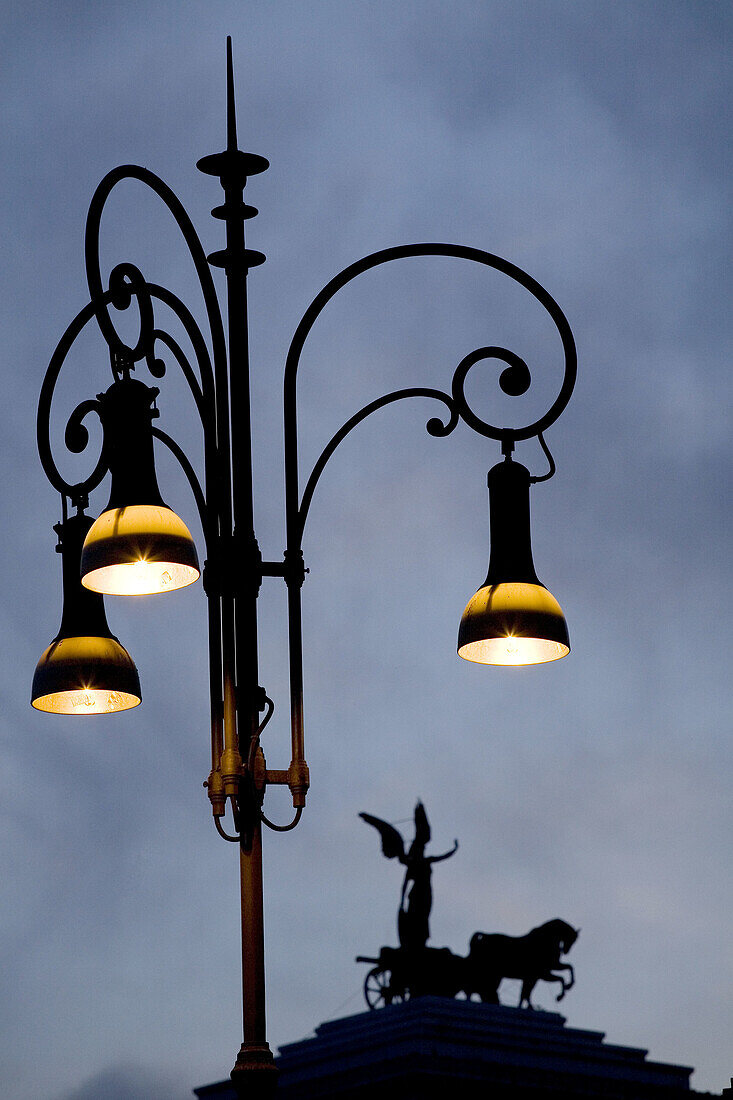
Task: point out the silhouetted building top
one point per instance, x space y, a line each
408 1051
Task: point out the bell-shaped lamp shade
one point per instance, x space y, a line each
513 623
85 670
138 545
512 619
86 674
138 550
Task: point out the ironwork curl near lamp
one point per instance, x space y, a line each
512 618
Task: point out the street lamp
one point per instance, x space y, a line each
138 545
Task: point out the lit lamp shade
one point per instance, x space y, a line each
138 545
513 623
138 550
85 670
85 674
512 619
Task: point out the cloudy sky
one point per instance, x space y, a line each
583 141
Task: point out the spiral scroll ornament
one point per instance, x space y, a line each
514 380
127 287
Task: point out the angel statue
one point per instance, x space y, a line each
416 901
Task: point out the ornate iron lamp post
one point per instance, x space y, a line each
138 545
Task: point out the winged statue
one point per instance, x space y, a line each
416 899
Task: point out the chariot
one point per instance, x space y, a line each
398 974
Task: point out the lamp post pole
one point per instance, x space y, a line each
254 1066
511 619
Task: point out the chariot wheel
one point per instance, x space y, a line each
378 990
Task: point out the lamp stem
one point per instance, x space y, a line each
511 544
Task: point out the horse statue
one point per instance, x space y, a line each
532 958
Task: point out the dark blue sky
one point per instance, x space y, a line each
585 142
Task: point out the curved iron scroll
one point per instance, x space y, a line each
435 426
76 435
125 282
514 380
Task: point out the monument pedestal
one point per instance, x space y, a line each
464 1050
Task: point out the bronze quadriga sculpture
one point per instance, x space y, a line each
413 969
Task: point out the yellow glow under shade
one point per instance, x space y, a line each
85 675
86 701
137 551
513 651
140 578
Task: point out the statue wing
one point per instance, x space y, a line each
422 827
392 843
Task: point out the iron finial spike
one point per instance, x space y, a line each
231 109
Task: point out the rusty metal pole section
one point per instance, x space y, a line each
139 545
